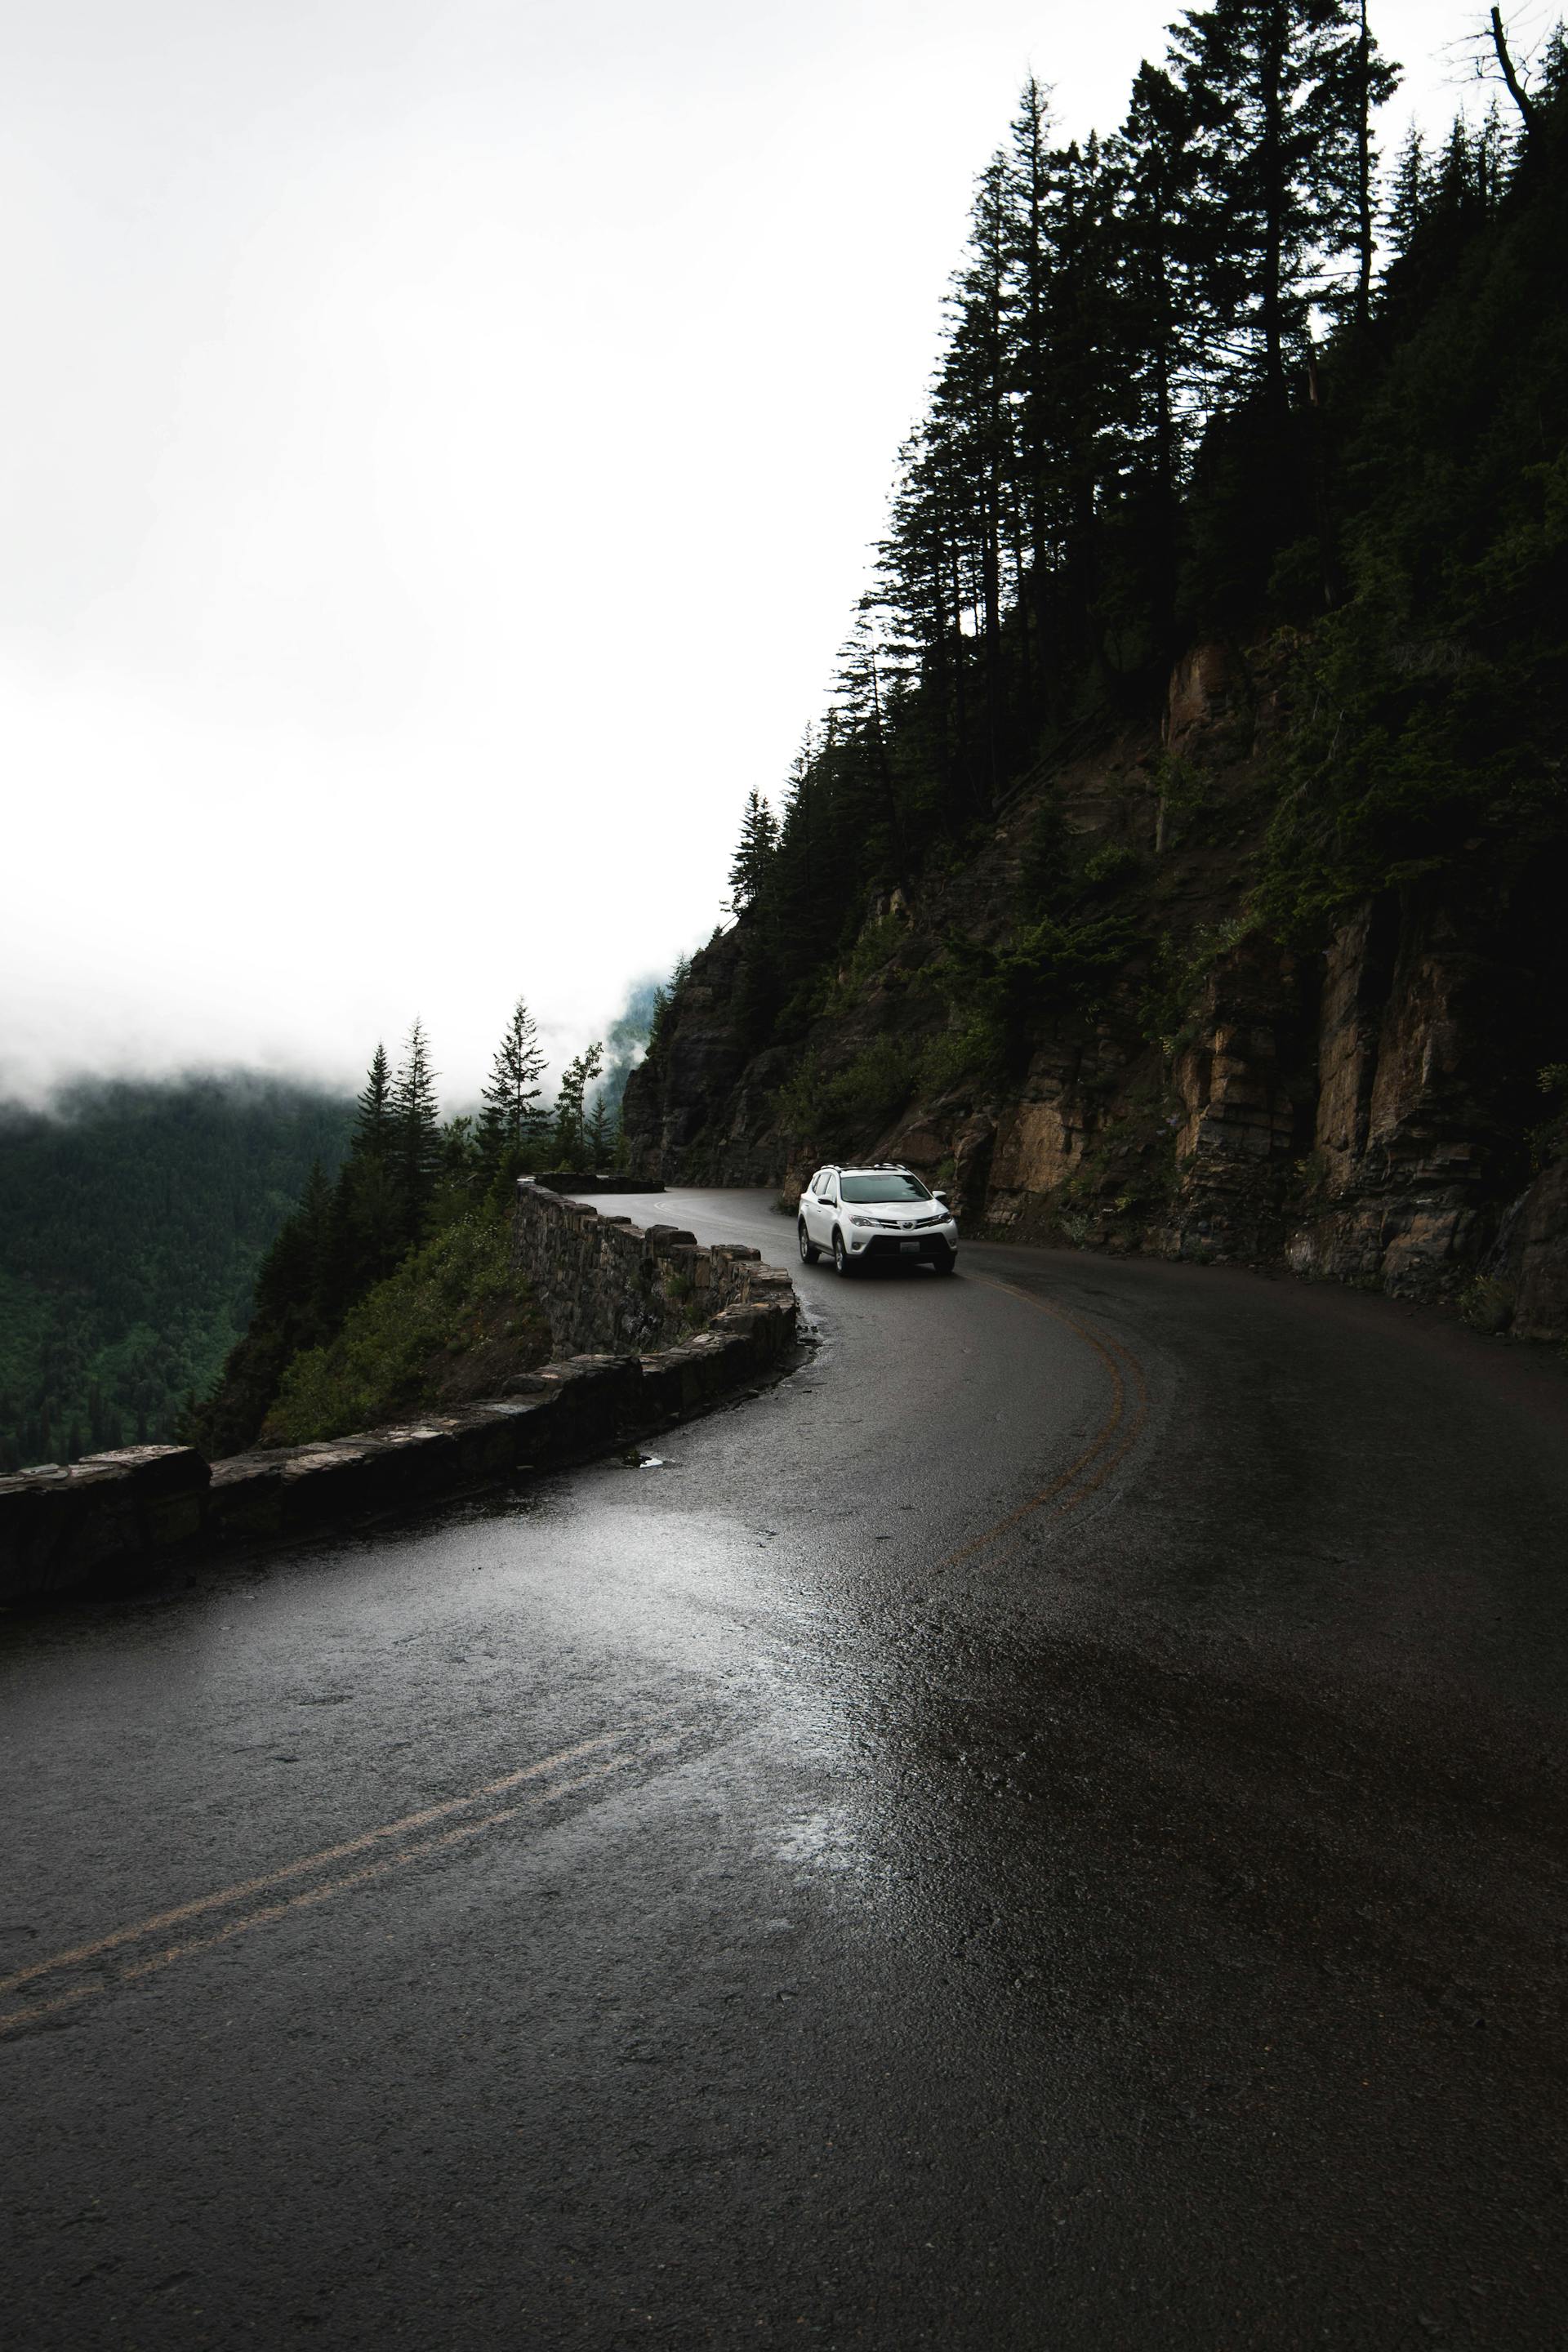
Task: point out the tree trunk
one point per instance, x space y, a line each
1272 66
991 577
1365 233
1516 89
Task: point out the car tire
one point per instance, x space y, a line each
809 1252
945 1261
842 1262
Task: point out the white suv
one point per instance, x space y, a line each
875 1212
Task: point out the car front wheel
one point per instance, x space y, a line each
945 1260
842 1261
809 1252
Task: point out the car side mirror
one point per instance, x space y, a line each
937 1195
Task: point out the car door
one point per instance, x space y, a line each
829 1213
811 1209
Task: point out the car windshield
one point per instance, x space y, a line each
884 1188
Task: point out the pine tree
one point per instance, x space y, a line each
1028 193
571 1140
1281 94
860 693
1370 82
1159 167
1409 194
753 854
1161 380
599 1134
511 1116
971 422
1087 402
416 1133
372 1130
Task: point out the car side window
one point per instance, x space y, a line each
830 1192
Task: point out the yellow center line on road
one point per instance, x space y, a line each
272 1912
1114 1356
259 1886
1106 1450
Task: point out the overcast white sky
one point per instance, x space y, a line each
440 441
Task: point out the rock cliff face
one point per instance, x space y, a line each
1368 1113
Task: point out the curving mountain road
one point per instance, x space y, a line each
1046 1829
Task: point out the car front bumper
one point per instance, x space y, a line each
927 1247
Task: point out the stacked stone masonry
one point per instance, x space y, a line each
651 1327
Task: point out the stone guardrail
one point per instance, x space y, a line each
605 1283
608 1180
104 1524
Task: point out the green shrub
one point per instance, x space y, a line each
969 1053
836 1111
1487 1305
1177 975
1549 1141
450 1324
1109 867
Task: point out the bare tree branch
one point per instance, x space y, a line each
1516 89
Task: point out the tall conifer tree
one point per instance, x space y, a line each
416 1131
753 854
510 1116
1280 93
373 1127
570 1121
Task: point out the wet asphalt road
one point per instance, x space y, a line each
1046 1829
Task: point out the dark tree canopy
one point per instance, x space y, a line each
1160 412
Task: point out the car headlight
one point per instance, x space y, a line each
864 1221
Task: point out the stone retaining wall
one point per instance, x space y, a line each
603 1282
102 1524
611 1180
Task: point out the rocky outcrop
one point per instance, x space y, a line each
1362 1113
652 1329
697 1103
1531 1259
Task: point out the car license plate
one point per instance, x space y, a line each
909 1246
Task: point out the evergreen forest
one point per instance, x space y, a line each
388 1289
1227 373
133 1218
167 1251
1224 373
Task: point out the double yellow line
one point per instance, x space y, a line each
134 1939
529 1787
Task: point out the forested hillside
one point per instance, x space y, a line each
132 1220
389 1290
1179 863
185 1260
